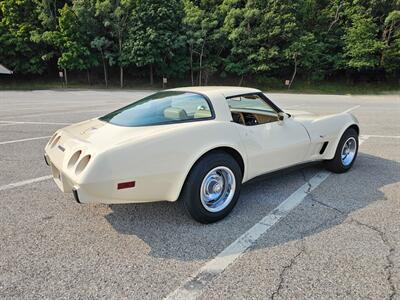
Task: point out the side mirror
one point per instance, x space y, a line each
282 116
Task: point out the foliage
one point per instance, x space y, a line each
18 50
72 37
155 35
362 46
309 40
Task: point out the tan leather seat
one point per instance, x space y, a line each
175 113
202 113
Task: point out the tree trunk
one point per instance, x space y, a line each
104 69
191 63
337 17
88 77
201 61
151 75
65 77
121 69
294 71
241 81
121 76
200 66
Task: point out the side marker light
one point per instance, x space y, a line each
126 185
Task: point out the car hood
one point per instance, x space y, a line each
306 117
299 114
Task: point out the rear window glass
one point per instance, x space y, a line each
162 108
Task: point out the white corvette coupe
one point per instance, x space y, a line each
197 144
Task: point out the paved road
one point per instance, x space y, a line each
341 241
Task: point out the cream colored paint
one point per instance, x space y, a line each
159 158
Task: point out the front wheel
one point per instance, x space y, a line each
346 152
212 187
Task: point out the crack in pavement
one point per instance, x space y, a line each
390 263
287 268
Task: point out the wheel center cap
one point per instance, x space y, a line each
217 188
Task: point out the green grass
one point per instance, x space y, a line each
269 85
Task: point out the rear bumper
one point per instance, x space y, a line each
46 160
76 196
63 181
67 185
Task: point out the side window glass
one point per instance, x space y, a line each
196 108
249 102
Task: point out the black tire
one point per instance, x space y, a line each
191 190
336 165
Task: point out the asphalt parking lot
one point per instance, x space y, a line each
342 240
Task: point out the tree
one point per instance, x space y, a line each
72 37
309 39
362 46
18 49
390 58
116 17
154 35
203 21
304 52
47 12
103 45
259 32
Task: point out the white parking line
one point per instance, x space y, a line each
32 123
57 113
57 107
352 108
382 136
25 140
194 286
25 182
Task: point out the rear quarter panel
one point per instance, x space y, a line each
158 163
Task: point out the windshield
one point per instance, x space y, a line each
162 108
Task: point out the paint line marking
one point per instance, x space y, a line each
25 182
57 113
195 284
352 108
25 140
33 123
57 106
381 136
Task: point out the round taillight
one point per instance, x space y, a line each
82 164
74 158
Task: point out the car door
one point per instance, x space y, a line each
274 145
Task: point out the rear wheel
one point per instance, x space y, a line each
346 152
212 187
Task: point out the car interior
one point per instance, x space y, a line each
251 110
247 110
250 118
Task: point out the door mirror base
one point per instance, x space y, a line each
282 116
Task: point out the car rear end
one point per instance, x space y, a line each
68 158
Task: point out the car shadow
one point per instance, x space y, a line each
170 233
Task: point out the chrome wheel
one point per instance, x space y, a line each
217 189
349 151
